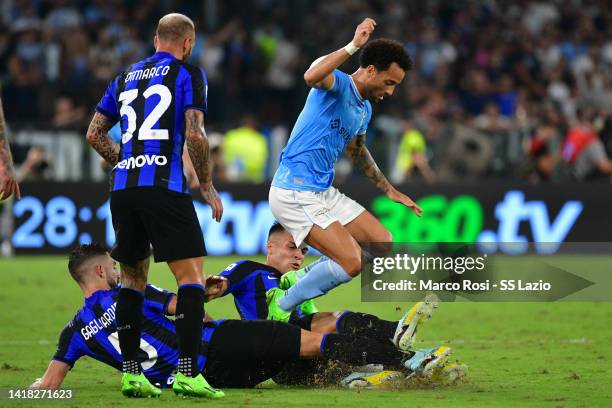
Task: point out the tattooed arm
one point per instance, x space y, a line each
98 138
8 180
199 153
359 154
197 145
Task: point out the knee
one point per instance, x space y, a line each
382 245
387 243
382 236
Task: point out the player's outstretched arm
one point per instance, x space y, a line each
53 377
319 75
359 154
8 179
98 138
199 152
216 286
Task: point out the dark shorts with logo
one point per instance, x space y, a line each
165 220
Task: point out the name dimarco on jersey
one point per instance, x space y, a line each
147 73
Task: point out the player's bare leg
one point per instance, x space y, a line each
324 322
310 344
374 238
188 271
135 276
367 229
339 245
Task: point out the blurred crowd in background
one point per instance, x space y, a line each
517 90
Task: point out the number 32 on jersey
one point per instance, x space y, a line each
146 131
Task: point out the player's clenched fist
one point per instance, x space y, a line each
363 31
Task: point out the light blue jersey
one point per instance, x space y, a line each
328 122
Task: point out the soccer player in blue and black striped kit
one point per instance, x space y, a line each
160 103
224 357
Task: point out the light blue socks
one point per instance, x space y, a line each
321 277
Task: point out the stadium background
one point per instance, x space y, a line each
508 106
503 95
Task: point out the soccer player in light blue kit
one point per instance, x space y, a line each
336 116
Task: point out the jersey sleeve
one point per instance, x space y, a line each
195 87
234 279
108 104
157 298
68 347
341 82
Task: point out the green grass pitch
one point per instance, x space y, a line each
519 354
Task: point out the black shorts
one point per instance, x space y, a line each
154 216
304 322
244 353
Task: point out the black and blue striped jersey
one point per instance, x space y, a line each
149 100
93 332
248 282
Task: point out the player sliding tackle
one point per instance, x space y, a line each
226 358
248 282
335 116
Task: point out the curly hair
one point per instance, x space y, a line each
80 255
382 52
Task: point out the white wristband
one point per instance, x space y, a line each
351 48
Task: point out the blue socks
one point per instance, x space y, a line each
321 277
